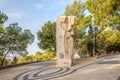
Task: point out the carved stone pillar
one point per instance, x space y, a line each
64 41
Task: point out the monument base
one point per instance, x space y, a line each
64 63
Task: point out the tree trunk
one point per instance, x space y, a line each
2 62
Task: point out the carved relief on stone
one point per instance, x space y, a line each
67 24
65 30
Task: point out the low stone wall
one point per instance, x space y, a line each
14 65
89 58
103 55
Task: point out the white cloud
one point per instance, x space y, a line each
14 15
39 6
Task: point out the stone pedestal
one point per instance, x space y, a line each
64 41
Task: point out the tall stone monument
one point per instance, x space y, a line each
64 41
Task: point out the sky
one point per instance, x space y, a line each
32 14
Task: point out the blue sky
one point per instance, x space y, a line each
32 14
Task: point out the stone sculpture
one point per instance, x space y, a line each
64 41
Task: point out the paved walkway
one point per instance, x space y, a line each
103 69
107 68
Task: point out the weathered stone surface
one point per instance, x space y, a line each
64 41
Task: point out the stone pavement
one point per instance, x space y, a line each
107 68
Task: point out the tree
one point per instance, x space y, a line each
77 9
105 12
14 40
107 39
82 22
3 18
89 40
47 36
106 17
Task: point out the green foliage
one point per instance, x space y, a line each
1 30
47 36
3 17
115 47
38 56
108 39
25 59
89 40
102 38
38 53
114 38
82 22
105 12
48 55
104 15
75 9
90 48
14 40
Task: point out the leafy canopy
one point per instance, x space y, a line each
47 36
